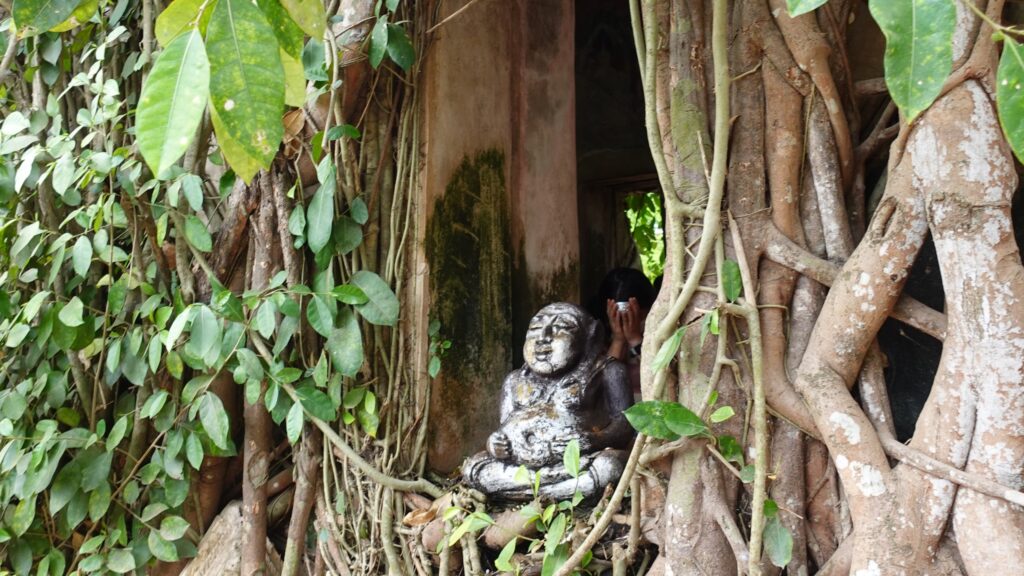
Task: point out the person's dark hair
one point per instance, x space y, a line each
621 284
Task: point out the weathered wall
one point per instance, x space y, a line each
497 212
546 232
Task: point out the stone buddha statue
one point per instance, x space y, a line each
568 389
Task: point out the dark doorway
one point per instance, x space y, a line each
612 153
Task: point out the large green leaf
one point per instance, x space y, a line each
288 33
316 403
308 14
668 350
180 16
197 234
798 7
778 542
320 215
918 51
244 165
205 336
215 420
649 418
1010 96
246 81
320 315
37 16
172 102
345 344
382 305
400 47
378 41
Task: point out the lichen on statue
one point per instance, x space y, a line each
568 389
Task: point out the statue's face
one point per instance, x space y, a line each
552 343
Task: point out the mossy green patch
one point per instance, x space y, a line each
467 245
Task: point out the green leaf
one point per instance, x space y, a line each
798 7
320 214
121 561
215 420
266 318
162 549
668 350
245 166
289 36
649 418
177 327
23 515
382 307
34 17
95 470
308 14
294 423
345 344
379 41
684 421
918 51
778 542
747 474
117 433
555 532
192 186
771 508
504 560
343 130
205 336
320 316
71 314
172 102
81 256
348 294
316 403
348 235
194 451
246 82
571 458
359 211
197 234
1010 96
99 501
179 16
64 486
732 283
294 80
722 414
730 449
473 523
400 48
173 527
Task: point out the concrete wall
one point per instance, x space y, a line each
497 218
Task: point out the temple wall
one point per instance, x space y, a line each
497 215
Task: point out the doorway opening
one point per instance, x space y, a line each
615 171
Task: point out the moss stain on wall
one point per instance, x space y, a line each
467 245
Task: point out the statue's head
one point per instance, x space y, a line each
559 336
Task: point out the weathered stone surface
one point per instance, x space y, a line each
220 550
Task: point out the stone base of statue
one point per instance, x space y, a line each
496 478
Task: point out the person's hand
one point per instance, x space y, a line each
498 446
615 322
632 326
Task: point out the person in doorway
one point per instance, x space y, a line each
622 303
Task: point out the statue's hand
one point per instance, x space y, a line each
499 447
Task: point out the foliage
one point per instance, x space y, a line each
107 408
919 49
554 522
643 211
